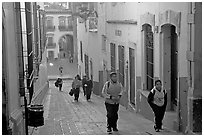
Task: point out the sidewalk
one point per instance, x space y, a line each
63 116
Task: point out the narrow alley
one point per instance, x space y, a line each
63 116
145 57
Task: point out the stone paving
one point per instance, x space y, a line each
63 116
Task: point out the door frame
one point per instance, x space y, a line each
169 105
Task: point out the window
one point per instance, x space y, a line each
103 42
81 51
69 21
93 24
49 22
51 54
86 59
148 43
121 63
50 40
62 22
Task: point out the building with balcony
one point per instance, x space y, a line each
144 42
59 30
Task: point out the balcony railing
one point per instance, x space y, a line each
51 45
65 28
50 28
93 24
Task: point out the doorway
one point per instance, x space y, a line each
170 64
113 57
132 75
121 63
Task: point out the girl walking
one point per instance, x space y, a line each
157 100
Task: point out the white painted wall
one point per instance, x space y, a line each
133 10
57 33
132 33
91 47
156 8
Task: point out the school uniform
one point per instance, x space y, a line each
158 101
112 93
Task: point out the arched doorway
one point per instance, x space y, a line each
169 53
66 47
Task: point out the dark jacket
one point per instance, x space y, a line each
89 84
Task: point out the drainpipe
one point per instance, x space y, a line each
190 64
21 60
29 47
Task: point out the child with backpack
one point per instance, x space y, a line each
112 92
59 83
157 100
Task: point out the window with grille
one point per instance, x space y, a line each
149 49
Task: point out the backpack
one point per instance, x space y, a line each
151 99
108 84
56 84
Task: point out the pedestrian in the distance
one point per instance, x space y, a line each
112 92
60 70
157 100
88 88
83 84
71 58
76 84
59 82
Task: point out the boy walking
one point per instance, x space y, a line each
112 92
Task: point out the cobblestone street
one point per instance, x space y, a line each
63 116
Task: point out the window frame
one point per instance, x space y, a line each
148 56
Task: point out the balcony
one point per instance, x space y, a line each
70 28
51 45
50 28
65 28
93 24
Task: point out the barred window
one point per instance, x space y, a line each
149 50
